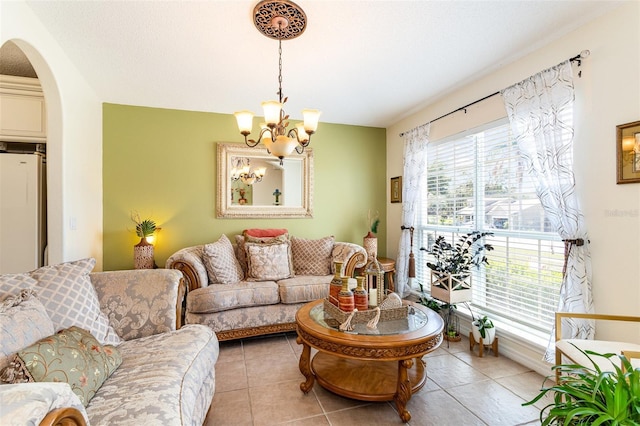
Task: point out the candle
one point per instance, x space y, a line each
373 297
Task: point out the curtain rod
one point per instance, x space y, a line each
579 57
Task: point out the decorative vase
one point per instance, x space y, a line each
370 244
360 296
345 297
143 255
336 284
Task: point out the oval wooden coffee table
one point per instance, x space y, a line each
368 365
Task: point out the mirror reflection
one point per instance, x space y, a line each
253 183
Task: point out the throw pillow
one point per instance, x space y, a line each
13 284
312 257
23 321
268 262
73 356
221 263
264 233
67 294
241 252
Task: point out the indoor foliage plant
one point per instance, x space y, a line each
483 327
590 396
143 251
451 269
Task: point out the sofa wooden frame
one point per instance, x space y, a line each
192 283
596 317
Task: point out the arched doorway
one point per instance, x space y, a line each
20 58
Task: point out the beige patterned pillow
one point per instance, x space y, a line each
268 262
312 257
241 252
67 294
23 321
221 263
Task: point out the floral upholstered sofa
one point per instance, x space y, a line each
256 286
101 348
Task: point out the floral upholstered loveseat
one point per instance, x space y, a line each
256 286
122 327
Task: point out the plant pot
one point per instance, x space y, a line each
490 334
370 245
143 255
451 288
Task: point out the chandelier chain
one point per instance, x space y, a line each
279 64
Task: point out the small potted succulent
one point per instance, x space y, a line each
143 251
451 269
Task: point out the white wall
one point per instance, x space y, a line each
74 139
608 94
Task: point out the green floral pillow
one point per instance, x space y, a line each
73 356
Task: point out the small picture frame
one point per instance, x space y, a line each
396 189
628 152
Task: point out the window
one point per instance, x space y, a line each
476 181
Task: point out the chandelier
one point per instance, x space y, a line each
242 171
282 20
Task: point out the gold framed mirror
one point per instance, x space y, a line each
285 191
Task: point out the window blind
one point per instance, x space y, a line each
476 181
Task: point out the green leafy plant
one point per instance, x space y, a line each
144 228
590 396
483 324
374 221
468 251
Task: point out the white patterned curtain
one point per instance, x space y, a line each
415 167
540 110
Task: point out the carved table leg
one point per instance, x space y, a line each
403 394
305 366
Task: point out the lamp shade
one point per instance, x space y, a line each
311 117
245 121
302 135
283 146
272 112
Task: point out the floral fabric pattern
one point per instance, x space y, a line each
221 262
343 251
268 262
29 403
71 356
304 289
139 303
312 257
165 379
220 297
23 321
70 300
254 316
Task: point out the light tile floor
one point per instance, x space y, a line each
257 383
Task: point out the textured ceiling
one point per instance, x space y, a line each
361 62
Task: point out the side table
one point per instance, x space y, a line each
388 267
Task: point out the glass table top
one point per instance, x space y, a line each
414 321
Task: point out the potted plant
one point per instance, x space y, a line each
483 327
451 332
586 395
143 251
451 269
370 241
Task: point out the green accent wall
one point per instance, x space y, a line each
161 163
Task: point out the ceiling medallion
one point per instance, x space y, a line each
280 19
